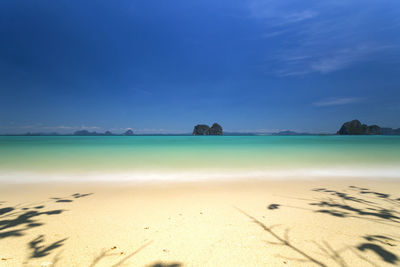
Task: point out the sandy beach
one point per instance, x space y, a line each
199 133
253 223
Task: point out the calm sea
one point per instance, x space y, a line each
149 158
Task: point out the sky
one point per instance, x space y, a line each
164 66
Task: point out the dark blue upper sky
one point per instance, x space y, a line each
163 66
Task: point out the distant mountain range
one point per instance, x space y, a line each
87 133
354 127
290 133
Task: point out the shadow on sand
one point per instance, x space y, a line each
105 254
109 253
161 264
40 250
354 202
16 221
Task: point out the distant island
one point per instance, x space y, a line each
355 127
76 133
203 129
288 133
107 133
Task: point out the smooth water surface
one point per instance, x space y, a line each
186 157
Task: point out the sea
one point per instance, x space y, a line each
30 159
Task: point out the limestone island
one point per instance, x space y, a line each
203 129
355 127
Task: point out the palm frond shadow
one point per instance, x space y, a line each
161 264
108 253
18 220
360 203
40 250
338 204
283 241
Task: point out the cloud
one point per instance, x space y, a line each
324 36
343 58
337 101
279 12
300 16
330 61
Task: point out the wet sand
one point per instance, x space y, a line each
253 223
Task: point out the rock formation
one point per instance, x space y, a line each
355 127
373 129
203 129
215 129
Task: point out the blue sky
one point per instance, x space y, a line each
164 66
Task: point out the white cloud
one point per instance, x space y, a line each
343 58
300 16
322 36
279 12
302 61
337 101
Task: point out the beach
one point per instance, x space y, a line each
322 222
199 133
200 201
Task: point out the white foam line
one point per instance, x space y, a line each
189 176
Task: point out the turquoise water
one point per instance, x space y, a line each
199 157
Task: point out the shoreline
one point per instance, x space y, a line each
194 176
198 183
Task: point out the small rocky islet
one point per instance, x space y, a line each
204 129
355 127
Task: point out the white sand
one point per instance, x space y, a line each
201 224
